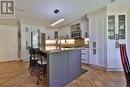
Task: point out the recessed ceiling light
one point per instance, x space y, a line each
56 11
58 22
112 0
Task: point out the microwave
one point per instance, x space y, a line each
76 34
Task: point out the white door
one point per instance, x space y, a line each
116 35
8 43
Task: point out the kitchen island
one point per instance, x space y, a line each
63 66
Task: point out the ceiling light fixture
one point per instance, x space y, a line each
56 11
58 22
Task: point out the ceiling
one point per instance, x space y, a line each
70 10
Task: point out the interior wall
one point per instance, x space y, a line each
26 30
21 23
66 30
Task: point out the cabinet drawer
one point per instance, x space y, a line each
84 56
83 51
85 61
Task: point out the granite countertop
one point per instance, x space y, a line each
62 50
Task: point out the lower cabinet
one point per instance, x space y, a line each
85 55
63 67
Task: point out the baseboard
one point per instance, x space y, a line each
11 61
114 69
19 60
85 64
107 69
25 60
98 67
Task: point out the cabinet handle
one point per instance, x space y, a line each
116 44
94 51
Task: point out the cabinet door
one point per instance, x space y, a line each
116 35
111 27
121 26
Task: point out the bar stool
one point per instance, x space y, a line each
41 64
125 63
32 59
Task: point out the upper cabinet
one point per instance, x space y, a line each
111 26
116 26
76 31
122 26
80 29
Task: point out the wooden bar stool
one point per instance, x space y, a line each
41 69
32 59
125 63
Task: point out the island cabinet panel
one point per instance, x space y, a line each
74 64
58 69
63 67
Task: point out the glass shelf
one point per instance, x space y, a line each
121 26
111 27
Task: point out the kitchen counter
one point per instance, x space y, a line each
62 50
63 66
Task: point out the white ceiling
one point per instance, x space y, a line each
70 10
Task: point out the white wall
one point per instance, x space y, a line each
26 36
64 31
50 33
33 25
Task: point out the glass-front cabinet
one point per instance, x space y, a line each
111 27
116 34
116 27
121 26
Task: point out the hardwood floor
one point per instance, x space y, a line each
99 78
15 74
